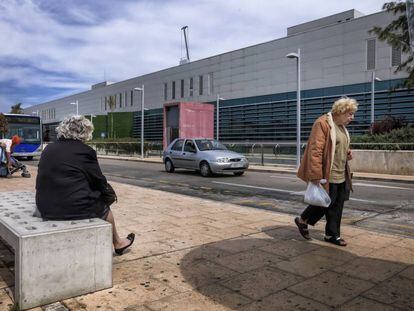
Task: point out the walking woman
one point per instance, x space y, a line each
326 157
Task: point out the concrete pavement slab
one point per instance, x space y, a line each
332 289
397 292
197 254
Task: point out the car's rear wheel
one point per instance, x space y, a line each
205 170
238 173
169 166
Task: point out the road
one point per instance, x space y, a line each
379 205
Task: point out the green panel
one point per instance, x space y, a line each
100 124
120 124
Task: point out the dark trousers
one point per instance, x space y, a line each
312 214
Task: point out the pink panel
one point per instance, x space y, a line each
195 120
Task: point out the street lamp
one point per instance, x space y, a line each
77 106
141 89
217 115
373 79
297 56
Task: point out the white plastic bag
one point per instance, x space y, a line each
316 195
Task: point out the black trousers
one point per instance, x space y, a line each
312 214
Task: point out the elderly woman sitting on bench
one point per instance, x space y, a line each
70 184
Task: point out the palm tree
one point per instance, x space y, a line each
112 105
17 108
4 126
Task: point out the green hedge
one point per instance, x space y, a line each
398 139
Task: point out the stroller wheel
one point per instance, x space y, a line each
26 175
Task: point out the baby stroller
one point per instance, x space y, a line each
16 166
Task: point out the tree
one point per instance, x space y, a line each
112 105
17 108
4 126
397 35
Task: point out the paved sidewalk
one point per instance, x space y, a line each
276 169
195 254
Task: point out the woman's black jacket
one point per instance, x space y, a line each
69 181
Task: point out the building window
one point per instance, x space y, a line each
191 89
165 91
120 100
371 54
210 84
182 88
106 103
395 56
132 98
173 90
200 85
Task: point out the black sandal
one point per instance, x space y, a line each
120 251
303 229
336 240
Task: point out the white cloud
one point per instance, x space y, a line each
131 38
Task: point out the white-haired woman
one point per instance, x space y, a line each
326 157
70 184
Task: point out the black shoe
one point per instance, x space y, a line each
335 240
120 251
303 229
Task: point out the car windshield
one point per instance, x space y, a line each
209 144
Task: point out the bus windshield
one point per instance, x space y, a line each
27 127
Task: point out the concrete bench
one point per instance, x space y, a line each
54 260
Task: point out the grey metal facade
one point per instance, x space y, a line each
258 82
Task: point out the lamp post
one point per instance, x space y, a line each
297 56
218 115
77 106
141 89
373 79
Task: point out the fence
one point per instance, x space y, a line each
258 153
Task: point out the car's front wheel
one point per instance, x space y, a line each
205 170
169 166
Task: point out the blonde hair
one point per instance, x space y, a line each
344 105
75 127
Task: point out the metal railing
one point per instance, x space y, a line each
132 149
258 153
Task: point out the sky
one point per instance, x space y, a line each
54 48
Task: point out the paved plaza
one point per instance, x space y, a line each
197 254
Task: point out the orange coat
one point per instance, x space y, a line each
317 159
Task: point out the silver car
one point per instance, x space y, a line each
205 155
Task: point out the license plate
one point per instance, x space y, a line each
235 165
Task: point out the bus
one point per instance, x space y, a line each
29 128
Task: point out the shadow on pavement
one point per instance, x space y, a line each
276 270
